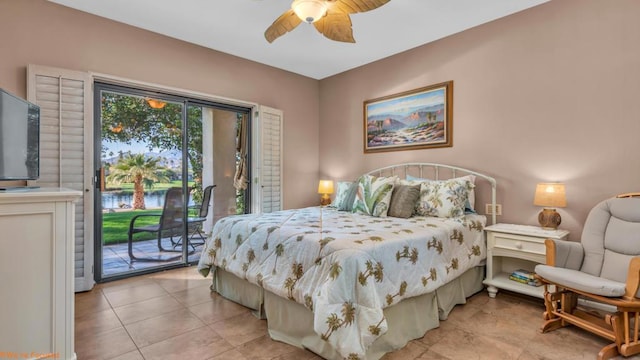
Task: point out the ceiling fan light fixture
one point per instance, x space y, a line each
309 11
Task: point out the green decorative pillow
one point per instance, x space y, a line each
403 200
345 195
445 198
373 195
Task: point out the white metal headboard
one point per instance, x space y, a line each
435 172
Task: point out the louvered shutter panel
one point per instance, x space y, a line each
66 138
270 123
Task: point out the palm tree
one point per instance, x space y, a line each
142 172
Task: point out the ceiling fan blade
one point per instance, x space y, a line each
336 26
285 23
356 6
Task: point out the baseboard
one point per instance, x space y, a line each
83 284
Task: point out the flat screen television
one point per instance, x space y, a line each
19 138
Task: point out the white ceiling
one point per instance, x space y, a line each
237 27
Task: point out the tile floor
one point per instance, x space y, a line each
173 315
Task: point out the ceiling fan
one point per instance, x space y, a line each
330 17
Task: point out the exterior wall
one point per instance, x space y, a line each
224 163
44 33
548 94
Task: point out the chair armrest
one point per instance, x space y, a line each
133 219
633 278
564 254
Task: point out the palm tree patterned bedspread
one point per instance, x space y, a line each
345 267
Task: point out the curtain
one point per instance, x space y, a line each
240 181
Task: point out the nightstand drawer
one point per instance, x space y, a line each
519 243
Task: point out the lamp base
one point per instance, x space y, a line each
325 200
549 219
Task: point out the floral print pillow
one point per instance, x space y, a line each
444 198
374 195
470 204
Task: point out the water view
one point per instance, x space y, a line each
124 199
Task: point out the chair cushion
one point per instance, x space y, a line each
615 266
593 238
613 224
581 281
569 254
623 236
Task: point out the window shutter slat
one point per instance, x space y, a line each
271 159
66 128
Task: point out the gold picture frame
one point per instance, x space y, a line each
416 119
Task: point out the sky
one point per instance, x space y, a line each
137 147
406 104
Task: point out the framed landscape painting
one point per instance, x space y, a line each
415 119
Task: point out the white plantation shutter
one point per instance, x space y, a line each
66 138
269 155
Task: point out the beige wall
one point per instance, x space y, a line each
43 33
549 94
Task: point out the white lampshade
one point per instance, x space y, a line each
309 10
325 187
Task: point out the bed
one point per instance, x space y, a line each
349 284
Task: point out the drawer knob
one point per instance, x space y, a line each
518 245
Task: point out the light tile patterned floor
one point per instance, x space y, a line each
173 315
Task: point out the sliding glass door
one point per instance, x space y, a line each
162 178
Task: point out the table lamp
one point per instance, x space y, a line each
325 187
550 195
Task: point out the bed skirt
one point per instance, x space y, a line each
240 291
292 323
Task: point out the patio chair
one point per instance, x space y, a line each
170 223
195 223
604 267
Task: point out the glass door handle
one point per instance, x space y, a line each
99 179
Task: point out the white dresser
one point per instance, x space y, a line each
36 273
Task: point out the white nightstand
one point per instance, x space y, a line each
511 247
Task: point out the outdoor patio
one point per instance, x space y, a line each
116 257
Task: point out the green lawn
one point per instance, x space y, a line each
115 226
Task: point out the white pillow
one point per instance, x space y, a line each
471 203
444 198
374 195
